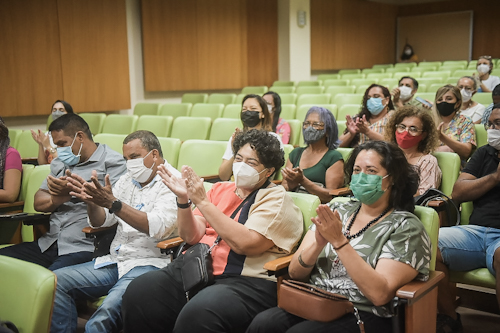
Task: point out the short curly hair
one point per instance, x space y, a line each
426 145
265 144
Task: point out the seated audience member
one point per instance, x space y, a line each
408 55
404 93
456 132
470 108
415 133
370 123
364 250
476 245
280 126
254 115
145 211
11 167
267 227
495 94
65 244
317 168
484 68
47 149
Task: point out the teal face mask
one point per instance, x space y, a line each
367 188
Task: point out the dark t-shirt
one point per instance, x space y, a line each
317 172
487 207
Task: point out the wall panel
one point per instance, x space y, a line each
208 45
351 34
94 54
30 63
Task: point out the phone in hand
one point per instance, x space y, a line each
423 101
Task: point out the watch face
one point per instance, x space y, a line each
116 206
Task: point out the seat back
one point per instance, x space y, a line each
481 135
345 152
213 111
204 156
295 131
449 163
324 77
284 83
309 90
119 124
282 90
239 99
334 90
348 109
187 128
342 99
14 136
170 148
288 98
114 141
26 146
223 128
287 149
484 98
221 99
194 98
38 175
313 99
288 111
141 109
159 125
430 220
307 204
257 90
94 120
175 109
232 111
308 84
27 169
27 293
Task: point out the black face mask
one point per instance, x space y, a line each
250 118
445 108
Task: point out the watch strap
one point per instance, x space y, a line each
184 206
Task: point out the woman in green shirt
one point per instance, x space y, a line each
317 168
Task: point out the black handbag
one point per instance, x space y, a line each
432 194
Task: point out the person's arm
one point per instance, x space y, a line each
379 285
286 182
430 174
364 127
11 185
334 178
346 138
398 103
463 149
226 167
309 250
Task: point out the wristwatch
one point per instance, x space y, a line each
184 206
115 206
52 150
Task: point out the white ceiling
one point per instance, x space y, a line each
405 2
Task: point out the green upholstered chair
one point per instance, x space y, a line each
389 83
430 96
334 90
313 99
282 83
204 156
352 76
27 293
119 124
335 82
142 109
114 141
484 98
348 109
288 111
439 74
429 64
463 72
175 109
481 135
186 128
307 204
221 99
342 99
308 83
239 99
295 131
433 88
223 128
94 120
288 98
383 66
26 146
309 90
170 148
213 111
287 149
449 163
14 136
405 64
159 125
324 77
379 76
282 90
194 98
359 82
349 71
430 80
257 90
232 111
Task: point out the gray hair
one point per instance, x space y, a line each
148 140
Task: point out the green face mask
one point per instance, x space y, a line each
367 188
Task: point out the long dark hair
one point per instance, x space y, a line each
266 121
4 145
405 178
277 108
67 106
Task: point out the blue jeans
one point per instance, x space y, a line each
84 282
468 247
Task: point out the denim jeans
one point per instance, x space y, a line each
83 282
468 247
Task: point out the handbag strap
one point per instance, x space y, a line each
217 240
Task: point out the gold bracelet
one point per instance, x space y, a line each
341 246
302 263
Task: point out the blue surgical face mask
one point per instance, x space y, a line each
65 154
367 188
375 105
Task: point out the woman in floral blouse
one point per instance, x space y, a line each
365 249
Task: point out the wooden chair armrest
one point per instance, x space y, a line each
211 178
414 290
278 264
30 160
36 219
277 182
339 192
436 203
8 206
169 243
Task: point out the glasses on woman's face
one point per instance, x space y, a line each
492 125
411 129
315 124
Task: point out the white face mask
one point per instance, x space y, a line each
138 171
466 95
408 51
270 108
245 176
404 92
494 138
483 68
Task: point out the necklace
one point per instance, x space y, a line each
347 232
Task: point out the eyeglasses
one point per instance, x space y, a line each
411 129
315 125
494 125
